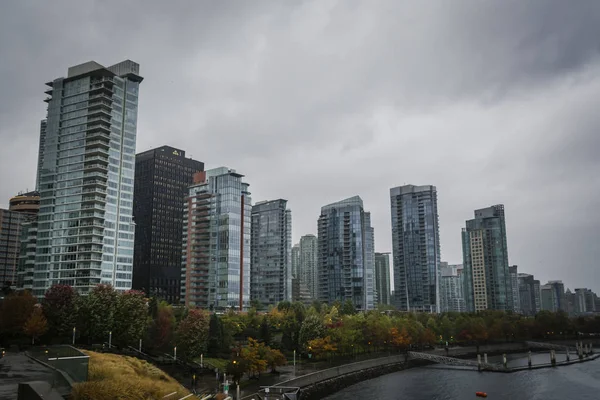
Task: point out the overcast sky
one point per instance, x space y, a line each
316 101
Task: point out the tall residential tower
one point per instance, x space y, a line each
216 242
162 178
415 248
85 229
308 264
487 279
346 254
271 252
382 278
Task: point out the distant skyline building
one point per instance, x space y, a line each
514 283
382 278
14 227
529 294
553 296
295 260
271 252
85 229
216 242
415 248
346 254
27 204
162 178
308 265
487 280
451 288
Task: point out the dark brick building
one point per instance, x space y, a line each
162 177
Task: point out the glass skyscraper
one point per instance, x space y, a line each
346 254
487 281
85 227
216 242
415 248
308 260
271 252
451 288
382 278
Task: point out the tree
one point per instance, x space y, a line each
348 308
15 311
400 339
36 325
192 333
215 335
254 357
312 328
97 312
322 347
60 309
130 317
265 331
163 326
256 304
427 337
275 358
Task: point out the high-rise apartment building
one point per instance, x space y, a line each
271 252
85 228
382 278
553 296
216 242
346 254
487 281
415 248
295 260
11 224
529 294
451 288
514 283
308 265
28 205
162 178
41 148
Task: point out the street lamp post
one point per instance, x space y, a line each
175 353
74 330
294 362
109 339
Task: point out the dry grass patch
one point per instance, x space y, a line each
114 377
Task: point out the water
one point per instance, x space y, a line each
579 381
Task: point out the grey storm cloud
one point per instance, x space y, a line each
315 101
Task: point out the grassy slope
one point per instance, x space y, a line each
113 377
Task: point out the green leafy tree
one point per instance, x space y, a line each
162 328
60 309
96 317
275 358
215 335
192 333
312 328
130 317
348 308
265 331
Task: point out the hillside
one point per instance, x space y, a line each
114 377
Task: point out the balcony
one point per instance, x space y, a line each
96 167
101 143
94 190
94 182
91 199
97 175
96 159
94 149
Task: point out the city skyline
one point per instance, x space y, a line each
250 93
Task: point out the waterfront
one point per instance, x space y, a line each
578 381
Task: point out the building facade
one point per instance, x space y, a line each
382 278
295 260
487 280
529 294
553 296
451 288
41 148
346 254
10 246
415 248
216 242
85 228
162 178
27 204
308 265
514 283
271 252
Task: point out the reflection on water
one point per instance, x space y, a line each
578 381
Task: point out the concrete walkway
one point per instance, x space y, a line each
16 368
